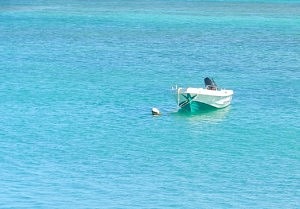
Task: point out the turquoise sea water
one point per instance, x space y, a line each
78 81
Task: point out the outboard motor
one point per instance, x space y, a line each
210 84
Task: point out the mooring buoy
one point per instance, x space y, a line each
155 111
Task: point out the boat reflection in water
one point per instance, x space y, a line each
207 115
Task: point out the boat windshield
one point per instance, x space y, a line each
210 84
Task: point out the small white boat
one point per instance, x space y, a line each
194 99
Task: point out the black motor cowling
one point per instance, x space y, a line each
210 83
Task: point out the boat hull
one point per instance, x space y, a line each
201 99
197 106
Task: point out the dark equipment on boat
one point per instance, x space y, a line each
210 84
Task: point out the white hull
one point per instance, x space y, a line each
196 98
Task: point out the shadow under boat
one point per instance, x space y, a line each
206 113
